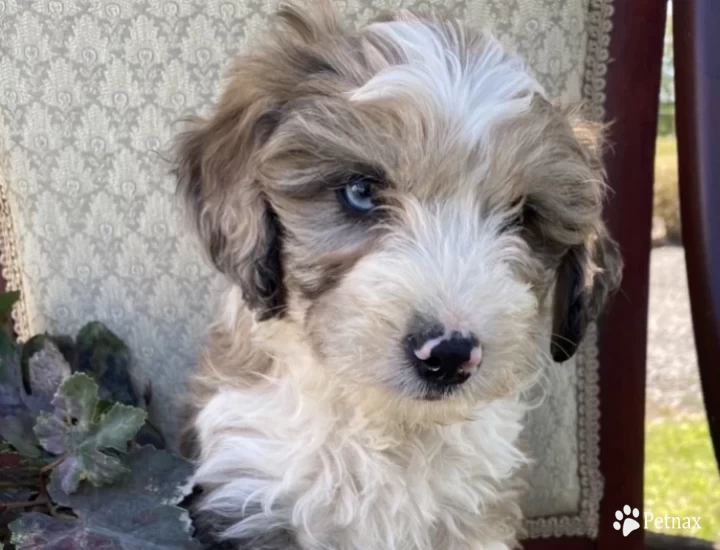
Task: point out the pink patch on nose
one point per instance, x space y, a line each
472 364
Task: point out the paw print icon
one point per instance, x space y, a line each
627 520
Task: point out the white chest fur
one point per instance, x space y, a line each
275 459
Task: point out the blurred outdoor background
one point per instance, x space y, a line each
681 477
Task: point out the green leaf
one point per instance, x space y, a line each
8 347
103 406
18 431
7 301
10 384
101 353
138 512
78 430
44 368
150 435
66 345
88 464
33 531
31 388
119 425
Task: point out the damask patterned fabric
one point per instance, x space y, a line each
91 94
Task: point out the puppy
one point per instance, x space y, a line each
401 213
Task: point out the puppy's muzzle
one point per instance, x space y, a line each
444 358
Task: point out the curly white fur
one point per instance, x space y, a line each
314 430
342 479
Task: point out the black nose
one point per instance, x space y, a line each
444 360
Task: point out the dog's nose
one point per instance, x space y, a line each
445 360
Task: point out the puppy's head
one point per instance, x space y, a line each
406 197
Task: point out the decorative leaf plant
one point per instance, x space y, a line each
80 464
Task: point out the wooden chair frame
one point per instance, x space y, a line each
696 28
633 89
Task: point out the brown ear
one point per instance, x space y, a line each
217 159
215 169
590 268
586 277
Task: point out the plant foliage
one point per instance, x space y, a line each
84 431
80 465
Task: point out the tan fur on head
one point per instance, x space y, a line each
488 198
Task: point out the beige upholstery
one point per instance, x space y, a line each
90 94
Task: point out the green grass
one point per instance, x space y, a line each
681 477
666 119
666 202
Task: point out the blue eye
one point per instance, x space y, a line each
358 195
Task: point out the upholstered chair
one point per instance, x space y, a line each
91 95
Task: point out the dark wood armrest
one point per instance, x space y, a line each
697 82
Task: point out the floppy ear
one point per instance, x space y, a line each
217 159
591 271
586 277
215 168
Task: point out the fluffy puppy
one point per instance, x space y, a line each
395 209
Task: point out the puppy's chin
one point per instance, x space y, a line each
433 393
437 393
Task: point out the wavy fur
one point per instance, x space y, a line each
311 429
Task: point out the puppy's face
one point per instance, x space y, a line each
406 196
